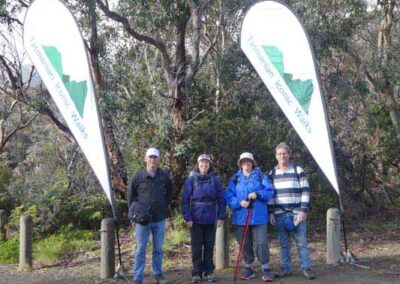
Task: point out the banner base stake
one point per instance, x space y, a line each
120 273
348 257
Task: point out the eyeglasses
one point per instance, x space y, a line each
246 161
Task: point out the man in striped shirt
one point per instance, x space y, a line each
290 200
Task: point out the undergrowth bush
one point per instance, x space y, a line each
64 244
176 236
18 212
85 212
9 250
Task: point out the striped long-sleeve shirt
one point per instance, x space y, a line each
291 191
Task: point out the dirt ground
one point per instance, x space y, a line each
382 273
379 262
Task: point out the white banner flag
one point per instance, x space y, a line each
56 48
278 47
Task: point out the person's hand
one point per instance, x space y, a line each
189 224
302 216
253 195
244 203
220 223
272 219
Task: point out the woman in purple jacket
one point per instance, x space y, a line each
203 206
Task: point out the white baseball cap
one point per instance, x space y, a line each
247 155
152 152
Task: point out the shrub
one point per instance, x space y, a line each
64 244
85 212
9 250
177 236
19 211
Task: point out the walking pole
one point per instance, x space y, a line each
246 229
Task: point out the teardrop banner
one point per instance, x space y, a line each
55 46
278 47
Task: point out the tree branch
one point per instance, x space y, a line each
157 43
23 3
10 19
8 136
64 130
197 60
13 79
188 122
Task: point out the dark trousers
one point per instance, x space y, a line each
203 240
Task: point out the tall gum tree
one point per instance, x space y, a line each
182 56
22 98
118 168
386 87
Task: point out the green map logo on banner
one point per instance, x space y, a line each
76 90
302 90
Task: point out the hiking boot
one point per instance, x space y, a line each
196 279
160 279
282 273
266 275
210 277
308 274
137 281
248 274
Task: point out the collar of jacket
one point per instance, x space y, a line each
147 175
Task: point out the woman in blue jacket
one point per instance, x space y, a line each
250 183
203 205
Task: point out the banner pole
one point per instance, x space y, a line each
344 234
120 273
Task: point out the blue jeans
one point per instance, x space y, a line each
300 236
157 230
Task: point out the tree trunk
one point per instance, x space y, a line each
118 168
384 45
178 90
180 74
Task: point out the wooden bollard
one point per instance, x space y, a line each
25 243
107 248
222 247
333 236
3 223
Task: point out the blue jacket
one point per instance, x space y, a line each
200 204
240 186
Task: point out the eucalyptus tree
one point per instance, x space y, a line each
182 34
24 92
19 83
376 54
358 55
14 115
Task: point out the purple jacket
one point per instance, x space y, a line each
203 199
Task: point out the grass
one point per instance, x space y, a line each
63 245
9 250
